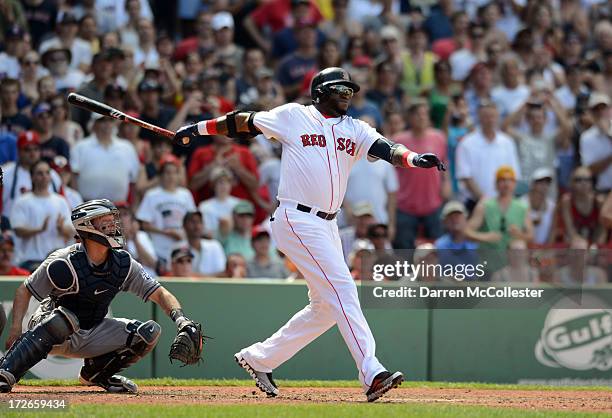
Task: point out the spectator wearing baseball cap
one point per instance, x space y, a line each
163 208
13 52
181 259
454 247
209 258
498 220
541 204
362 216
595 143
221 205
67 27
235 235
263 266
7 251
153 111
225 48
50 145
17 179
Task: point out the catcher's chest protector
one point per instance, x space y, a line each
96 289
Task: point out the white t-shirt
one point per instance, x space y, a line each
213 210
596 146
73 197
22 184
147 245
372 182
211 258
509 100
269 174
111 14
30 211
542 220
479 159
72 80
462 61
318 152
165 210
9 66
104 171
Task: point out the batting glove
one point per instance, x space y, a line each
428 160
185 135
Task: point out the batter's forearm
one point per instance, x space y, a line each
218 126
396 154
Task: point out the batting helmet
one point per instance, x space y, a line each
329 77
108 234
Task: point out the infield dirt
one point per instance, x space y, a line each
564 400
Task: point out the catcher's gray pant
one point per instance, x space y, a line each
109 335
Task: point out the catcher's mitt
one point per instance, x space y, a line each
188 343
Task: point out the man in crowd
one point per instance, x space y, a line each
104 166
263 266
40 218
235 237
595 142
17 179
208 256
481 153
50 145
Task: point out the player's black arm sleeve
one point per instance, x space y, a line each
396 154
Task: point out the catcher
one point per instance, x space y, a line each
76 285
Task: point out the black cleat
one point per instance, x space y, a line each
383 383
264 381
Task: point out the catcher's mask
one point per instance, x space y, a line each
324 82
98 220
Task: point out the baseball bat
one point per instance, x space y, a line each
104 109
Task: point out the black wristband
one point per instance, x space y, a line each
176 313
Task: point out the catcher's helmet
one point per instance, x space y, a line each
108 234
329 77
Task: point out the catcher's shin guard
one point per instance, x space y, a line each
33 346
101 370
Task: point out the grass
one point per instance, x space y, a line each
166 381
299 411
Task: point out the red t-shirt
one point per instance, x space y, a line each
276 14
206 155
419 189
17 271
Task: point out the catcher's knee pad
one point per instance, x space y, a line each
35 344
141 340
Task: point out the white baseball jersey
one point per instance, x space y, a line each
318 152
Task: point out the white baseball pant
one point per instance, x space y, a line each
313 244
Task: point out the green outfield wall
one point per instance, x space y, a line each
569 346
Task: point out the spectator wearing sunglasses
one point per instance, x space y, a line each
498 220
580 209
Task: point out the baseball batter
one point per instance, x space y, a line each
320 145
76 285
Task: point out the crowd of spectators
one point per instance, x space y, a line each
514 95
